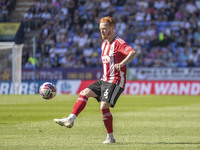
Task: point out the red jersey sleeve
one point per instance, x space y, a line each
125 49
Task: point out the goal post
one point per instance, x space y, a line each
11 60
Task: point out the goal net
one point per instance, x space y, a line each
10 65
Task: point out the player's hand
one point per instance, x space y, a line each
118 67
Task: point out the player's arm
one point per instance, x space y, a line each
129 58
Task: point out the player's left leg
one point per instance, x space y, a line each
108 121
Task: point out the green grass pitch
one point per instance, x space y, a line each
140 123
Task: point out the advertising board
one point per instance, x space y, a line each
132 87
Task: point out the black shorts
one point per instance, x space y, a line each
108 92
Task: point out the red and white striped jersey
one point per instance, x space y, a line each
114 53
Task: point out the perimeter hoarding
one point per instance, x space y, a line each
175 74
132 87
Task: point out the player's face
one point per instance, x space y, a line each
105 30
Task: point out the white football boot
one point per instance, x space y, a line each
109 141
64 122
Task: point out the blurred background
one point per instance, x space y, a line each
60 43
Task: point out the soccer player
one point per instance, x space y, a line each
116 53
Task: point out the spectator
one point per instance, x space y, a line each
47 63
6 7
190 7
31 60
159 4
28 18
29 65
182 58
45 16
89 5
67 61
5 14
197 35
105 4
120 27
37 19
194 57
88 51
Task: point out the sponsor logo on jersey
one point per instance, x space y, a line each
105 59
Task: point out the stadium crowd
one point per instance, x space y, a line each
6 7
165 33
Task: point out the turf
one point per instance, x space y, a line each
140 123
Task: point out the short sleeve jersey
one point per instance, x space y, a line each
114 53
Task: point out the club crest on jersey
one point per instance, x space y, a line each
105 59
127 48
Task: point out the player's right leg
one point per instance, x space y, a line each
78 107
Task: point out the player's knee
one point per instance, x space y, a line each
104 105
86 93
83 92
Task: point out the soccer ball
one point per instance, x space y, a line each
47 90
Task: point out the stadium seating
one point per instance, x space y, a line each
169 22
